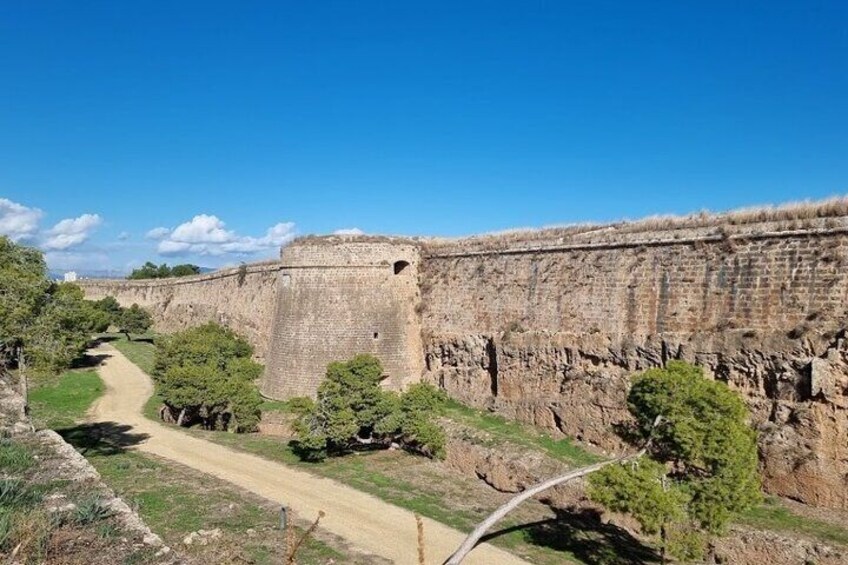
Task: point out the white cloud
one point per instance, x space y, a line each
349 231
123 236
71 232
157 233
169 247
207 235
17 221
202 229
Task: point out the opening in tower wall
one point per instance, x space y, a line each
400 266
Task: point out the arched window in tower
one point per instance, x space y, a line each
400 266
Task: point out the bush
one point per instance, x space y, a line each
206 375
134 320
352 412
45 324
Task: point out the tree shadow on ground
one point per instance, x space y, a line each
86 361
582 533
102 438
102 339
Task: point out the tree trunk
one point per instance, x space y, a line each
128 335
181 417
22 382
474 537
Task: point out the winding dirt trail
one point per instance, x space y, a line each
364 521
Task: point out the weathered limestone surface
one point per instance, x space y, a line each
755 547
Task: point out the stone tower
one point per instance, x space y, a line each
338 297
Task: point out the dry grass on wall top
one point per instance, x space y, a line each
827 214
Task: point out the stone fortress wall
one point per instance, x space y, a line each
240 298
546 326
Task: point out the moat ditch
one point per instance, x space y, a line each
489 457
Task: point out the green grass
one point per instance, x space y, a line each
771 515
61 403
175 501
14 457
275 406
502 430
139 352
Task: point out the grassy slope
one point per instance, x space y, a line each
172 500
84 533
771 515
502 430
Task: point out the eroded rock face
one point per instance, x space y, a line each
796 389
506 468
744 546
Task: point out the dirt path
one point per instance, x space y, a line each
366 522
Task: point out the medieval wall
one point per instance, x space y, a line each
547 328
242 299
339 297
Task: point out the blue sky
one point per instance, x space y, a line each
235 125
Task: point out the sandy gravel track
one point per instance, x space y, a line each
367 523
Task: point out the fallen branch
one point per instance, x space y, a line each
474 537
292 549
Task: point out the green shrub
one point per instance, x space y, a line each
353 411
206 375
